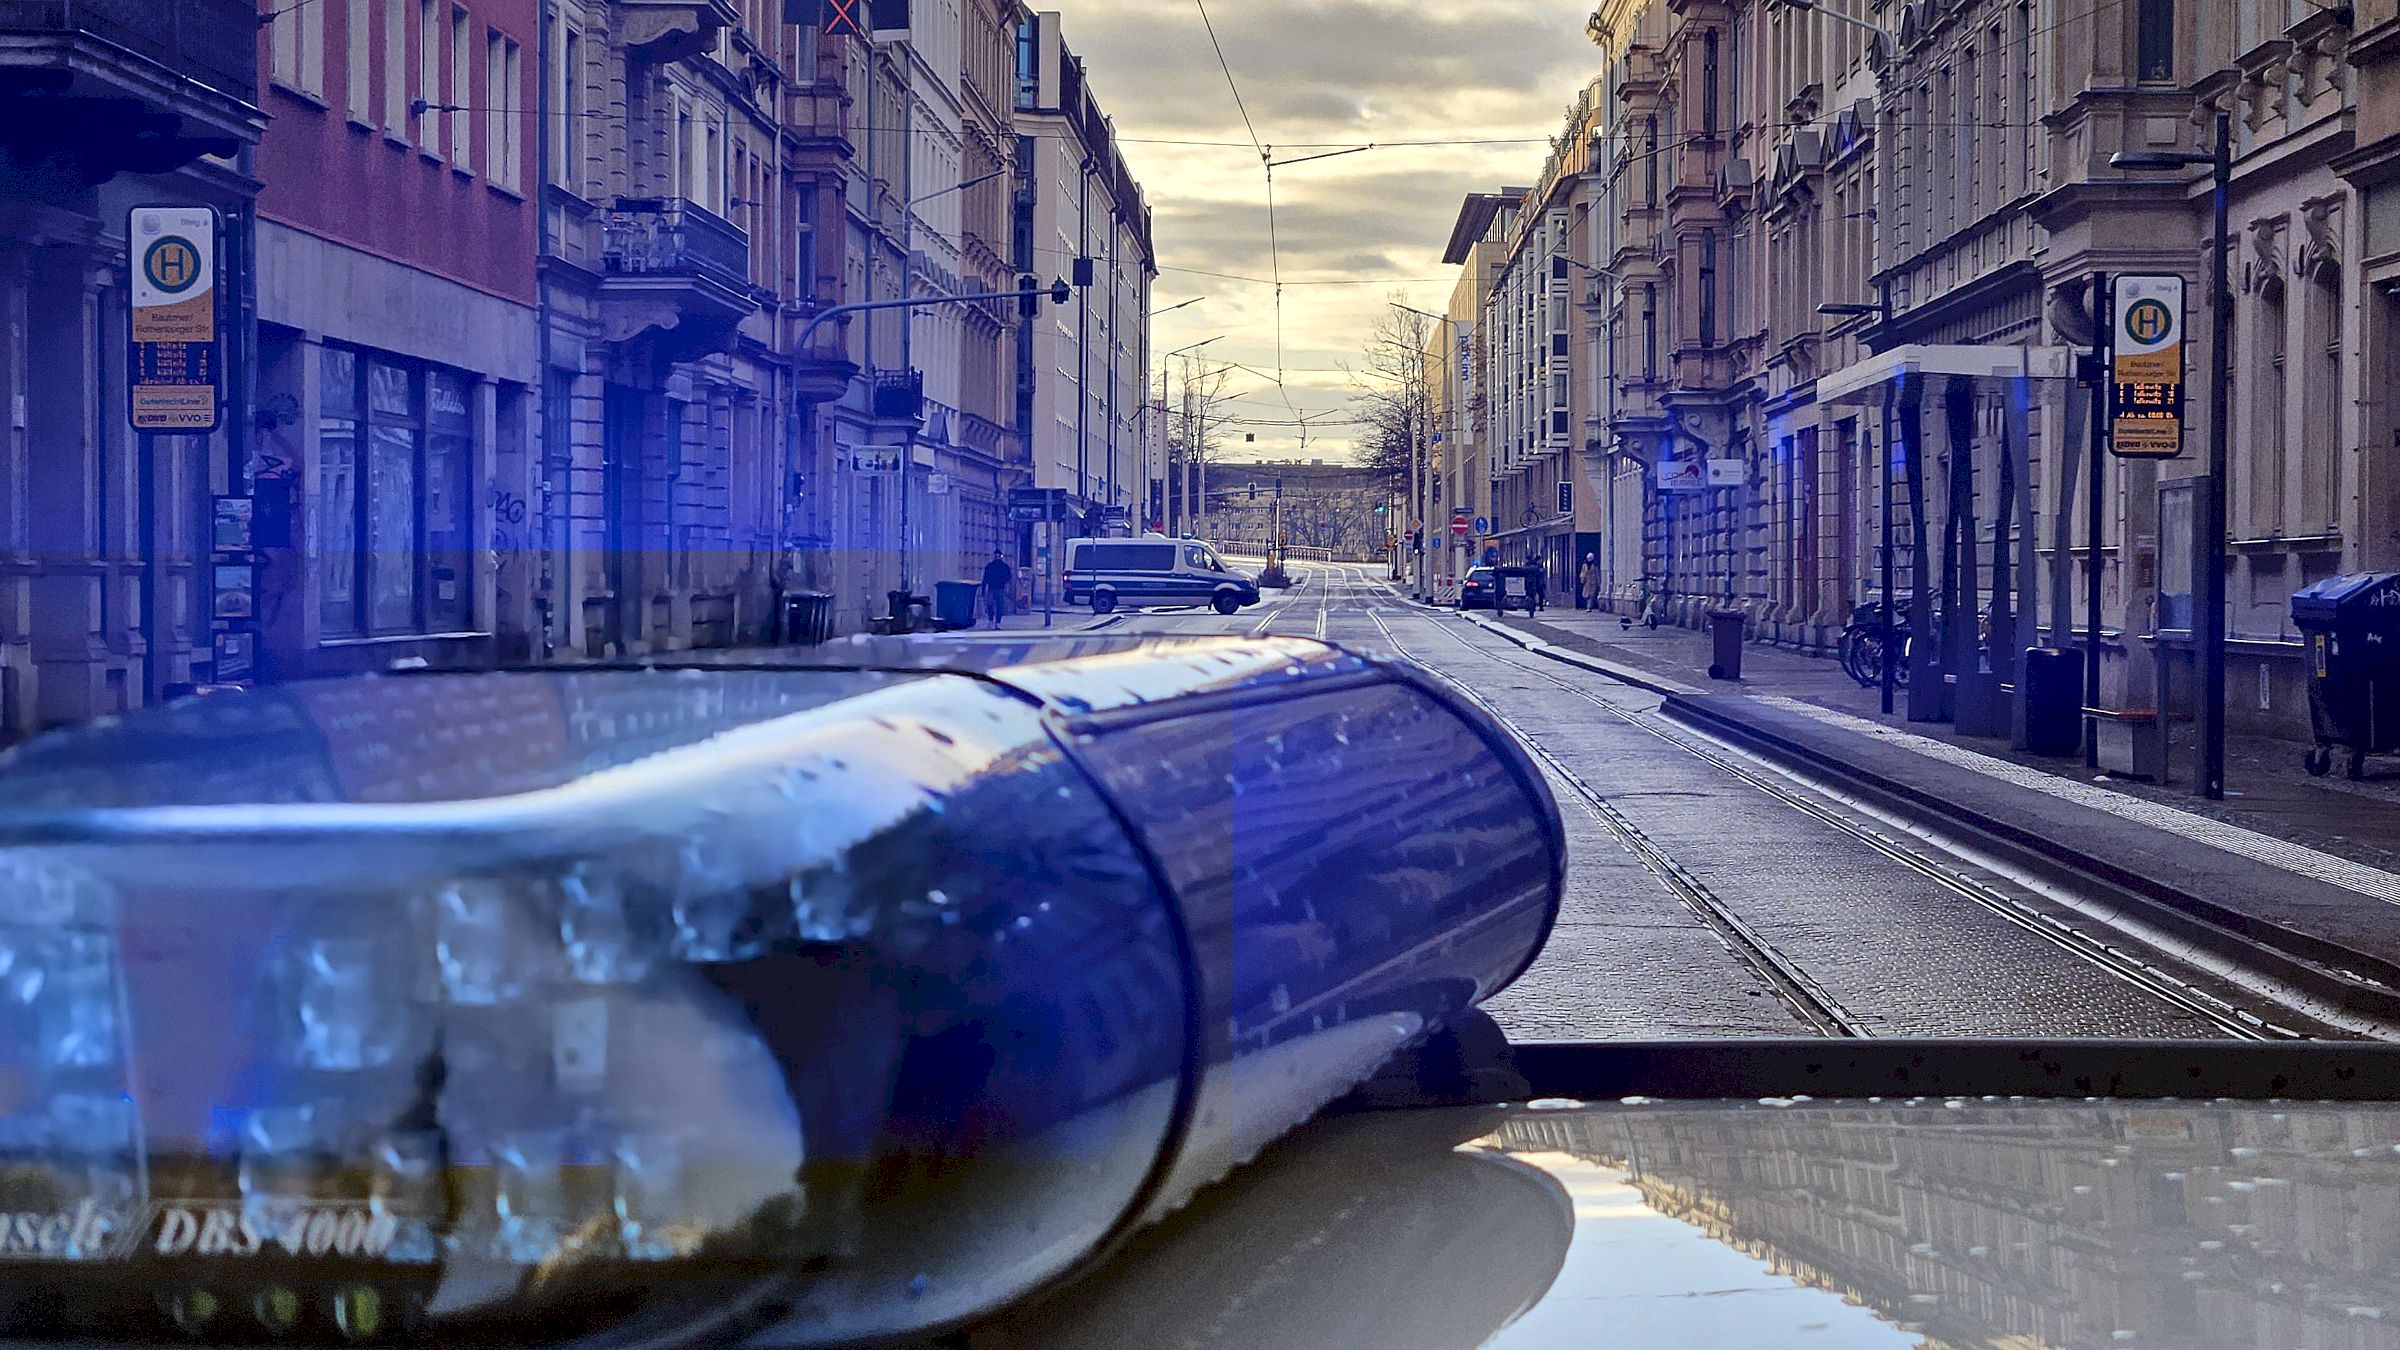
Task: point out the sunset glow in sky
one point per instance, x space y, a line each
1320 75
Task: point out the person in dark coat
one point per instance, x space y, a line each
1541 584
999 579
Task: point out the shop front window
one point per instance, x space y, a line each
337 493
395 456
394 440
449 460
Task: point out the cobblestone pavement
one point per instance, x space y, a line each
2268 791
1698 898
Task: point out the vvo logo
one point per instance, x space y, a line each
296 1230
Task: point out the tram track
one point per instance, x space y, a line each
1807 998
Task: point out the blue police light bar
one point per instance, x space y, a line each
800 1006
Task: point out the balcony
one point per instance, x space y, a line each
900 394
674 274
985 436
140 86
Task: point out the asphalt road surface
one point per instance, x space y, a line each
1711 894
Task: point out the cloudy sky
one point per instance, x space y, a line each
1319 75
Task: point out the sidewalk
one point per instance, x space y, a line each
2357 821
2294 880
1061 619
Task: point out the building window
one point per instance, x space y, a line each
1650 160
2320 464
1649 330
395 438
462 91
569 124
336 507
1709 91
395 67
513 71
449 468
1029 69
1967 137
1708 288
2269 436
504 129
682 150
495 113
296 48
2154 58
395 453
711 160
429 76
358 60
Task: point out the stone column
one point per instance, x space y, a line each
68 614
16 599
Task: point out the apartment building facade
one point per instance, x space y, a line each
1542 319
1083 366
1463 460
1946 185
398 328
107 597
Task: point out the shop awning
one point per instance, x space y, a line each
1863 382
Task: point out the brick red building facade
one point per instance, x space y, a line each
398 329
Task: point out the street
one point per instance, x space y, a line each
1713 894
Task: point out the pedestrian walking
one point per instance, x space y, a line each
1541 586
1587 584
999 580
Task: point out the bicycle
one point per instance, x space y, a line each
1862 648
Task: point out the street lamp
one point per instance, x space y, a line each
957 187
1172 308
2219 161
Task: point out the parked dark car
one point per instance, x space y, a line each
1481 589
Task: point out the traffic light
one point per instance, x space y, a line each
1029 295
1254 492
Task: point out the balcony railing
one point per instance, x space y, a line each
214 42
669 236
900 393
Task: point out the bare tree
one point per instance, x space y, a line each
1391 395
1195 433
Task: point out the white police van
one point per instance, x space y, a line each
1154 570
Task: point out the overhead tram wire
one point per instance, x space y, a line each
710 117
1266 162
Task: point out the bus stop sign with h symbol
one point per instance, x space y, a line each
2146 366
